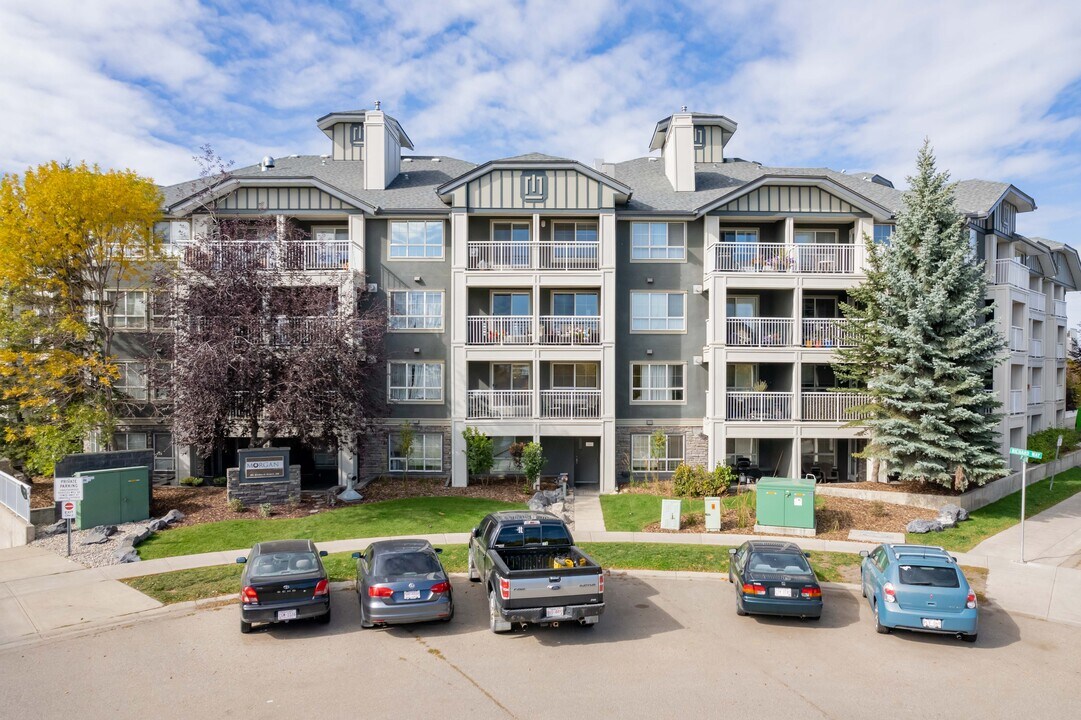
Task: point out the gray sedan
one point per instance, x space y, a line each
402 581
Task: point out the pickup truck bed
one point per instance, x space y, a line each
543 560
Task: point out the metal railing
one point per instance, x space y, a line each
264 255
1011 272
1060 308
291 331
782 258
15 495
1017 402
1035 395
1060 351
826 332
762 406
570 404
499 329
831 406
570 330
499 404
759 331
1017 338
1036 348
1037 302
543 255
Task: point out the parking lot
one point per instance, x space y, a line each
666 647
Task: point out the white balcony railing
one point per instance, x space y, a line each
1060 308
826 332
781 258
1017 402
544 255
294 255
760 331
762 406
1060 351
293 331
499 404
15 495
1011 272
1036 348
570 404
1035 395
570 330
1017 338
1037 302
499 329
831 406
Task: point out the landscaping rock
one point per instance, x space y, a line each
537 503
924 526
157 525
138 536
55 529
130 557
955 512
99 535
124 548
946 521
173 516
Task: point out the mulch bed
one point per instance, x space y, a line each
208 504
908 486
515 490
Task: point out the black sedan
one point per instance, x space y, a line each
283 580
774 578
402 581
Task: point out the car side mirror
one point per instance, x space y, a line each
476 532
322 553
731 551
864 553
356 556
438 550
806 554
241 560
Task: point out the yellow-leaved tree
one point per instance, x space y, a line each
68 235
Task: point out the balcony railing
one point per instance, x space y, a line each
826 332
570 404
1017 402
1035 395
831 406
1060 351
1017 338
499 329
264 255
761 406
1012 272
1037 302
543 255
15 495
780 258
570 330
290 331
1036 348
499 404
1060 308
759 331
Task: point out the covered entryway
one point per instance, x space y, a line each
579 457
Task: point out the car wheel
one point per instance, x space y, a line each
450 615
863 585
969 638
364 623
474 576
879 627
739 608
324 619
496 623
245 627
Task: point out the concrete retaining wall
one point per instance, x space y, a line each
14 531
971 500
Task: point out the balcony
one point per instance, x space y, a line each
560 404
1037 302
575 404
1035 395
294 331
833 258
500 404
759 332
1036 348
570 329
758 406
302 255
543 255
1017 402
573 330
1017 339
499 330
1060 308
1011 272
1060 351
832 406
826 332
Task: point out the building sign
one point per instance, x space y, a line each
534 186
356 134
264 465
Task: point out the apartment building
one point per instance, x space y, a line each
587 307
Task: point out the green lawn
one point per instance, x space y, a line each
410 516
1004 513
631 512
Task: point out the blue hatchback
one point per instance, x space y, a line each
916 587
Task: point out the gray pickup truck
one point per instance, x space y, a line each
532 571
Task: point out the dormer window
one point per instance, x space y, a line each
356 133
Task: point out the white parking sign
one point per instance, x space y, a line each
68 488
67 510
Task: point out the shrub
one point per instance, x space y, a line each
479 456
236 505
745 510
192 481
219 482
1045 440
533 462
721 478
265 509
696 481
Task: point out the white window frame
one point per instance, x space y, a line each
816 231
575 223
574 373
162 391
665 464
511 294
135 392
127 435
160 321
874 231
416 258
510 374
668 247
423 317
528 223
406 389
669 318
669 388
425 443
114 299
736 231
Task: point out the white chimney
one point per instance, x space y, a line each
678 152
382 153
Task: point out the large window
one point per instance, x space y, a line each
566 376
426 455
658 312
574 232
816 237
658 241
128 310
130 441
657 382
132 381
740 236
162 310
416 382
415 239
663 458
580 304
883 233
416 310
161 384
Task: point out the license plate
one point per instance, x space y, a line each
411 595
932 624
287 614
553 612
782 592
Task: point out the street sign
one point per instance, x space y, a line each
68 488
67 510
1059 443
1031 454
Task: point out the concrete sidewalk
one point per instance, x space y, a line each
588 516
1052 537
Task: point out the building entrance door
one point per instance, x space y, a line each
587 461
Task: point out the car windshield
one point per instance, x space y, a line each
405 563
929 575
778 562
284 563
533 533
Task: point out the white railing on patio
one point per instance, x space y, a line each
1060 351
763 406
570 404
15 495
499 329
570 330
264 255
826 332
1060 308
781 258
1011 272
315 255
831 406
759 331
1017 338
1035 395
498 404
1036 348
289 331
1017 402
543 255
1037 301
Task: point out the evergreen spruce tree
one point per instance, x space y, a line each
931 419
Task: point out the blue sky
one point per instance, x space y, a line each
995 85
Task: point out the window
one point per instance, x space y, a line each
658 312
162 383
883 233
162 315
574 375
741 376
656 382
416 382
510 303
739 236
128 310
658 241
132 381
510 376
426 455
816 237
130 441
416 239
670 456
574 232
331 249
415 310
580 304
930 575
173 232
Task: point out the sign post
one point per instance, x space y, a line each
1058 446
68 491
1025 455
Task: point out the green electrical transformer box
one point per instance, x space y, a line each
786 502
114 496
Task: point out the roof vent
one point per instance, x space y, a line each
324 158
377 104
266 163
409 159
653 159
435 159
683 109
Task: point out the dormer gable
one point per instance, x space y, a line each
687 138
370 136
534 182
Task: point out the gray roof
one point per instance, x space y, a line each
534 157
978 196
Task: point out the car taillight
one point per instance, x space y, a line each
441 587
504 588
380 591
754 589
248 596
600 583
889 593
322 588
970 601
811 591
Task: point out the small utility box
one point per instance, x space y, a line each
114 496
785 506
713 514
670 512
